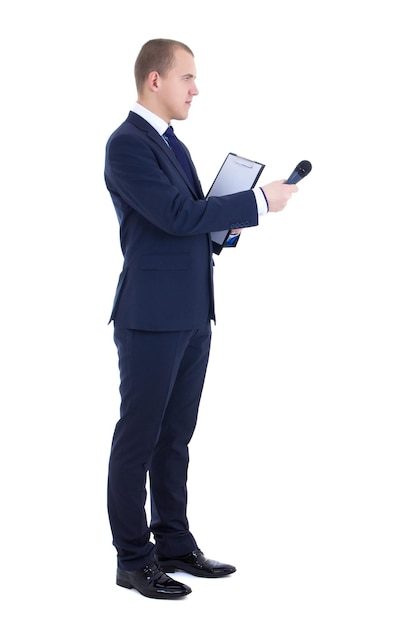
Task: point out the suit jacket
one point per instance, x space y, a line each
165 225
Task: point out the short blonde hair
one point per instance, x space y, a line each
156 55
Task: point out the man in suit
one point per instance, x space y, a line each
162 316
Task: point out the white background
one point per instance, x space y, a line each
303 465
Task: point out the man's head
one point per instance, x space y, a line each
165 78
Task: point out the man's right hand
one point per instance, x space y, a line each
277 194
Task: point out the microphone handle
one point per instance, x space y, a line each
294 178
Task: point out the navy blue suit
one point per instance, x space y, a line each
162 310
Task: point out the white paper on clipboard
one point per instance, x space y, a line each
236 174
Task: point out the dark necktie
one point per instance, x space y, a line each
179 152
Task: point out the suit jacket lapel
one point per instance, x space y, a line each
154 136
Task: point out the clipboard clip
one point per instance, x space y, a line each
244 162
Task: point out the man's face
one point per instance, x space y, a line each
177 88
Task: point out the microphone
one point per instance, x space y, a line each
302 169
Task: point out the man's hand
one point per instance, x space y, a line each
277 194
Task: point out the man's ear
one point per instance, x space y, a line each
153 81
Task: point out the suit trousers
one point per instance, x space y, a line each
161 381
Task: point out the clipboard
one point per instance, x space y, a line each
236 174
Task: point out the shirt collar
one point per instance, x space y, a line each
157 122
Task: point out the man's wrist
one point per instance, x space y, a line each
261 201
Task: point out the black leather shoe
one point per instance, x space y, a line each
151 582
196 563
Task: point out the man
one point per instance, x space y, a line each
162 320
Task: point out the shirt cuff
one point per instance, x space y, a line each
261 202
